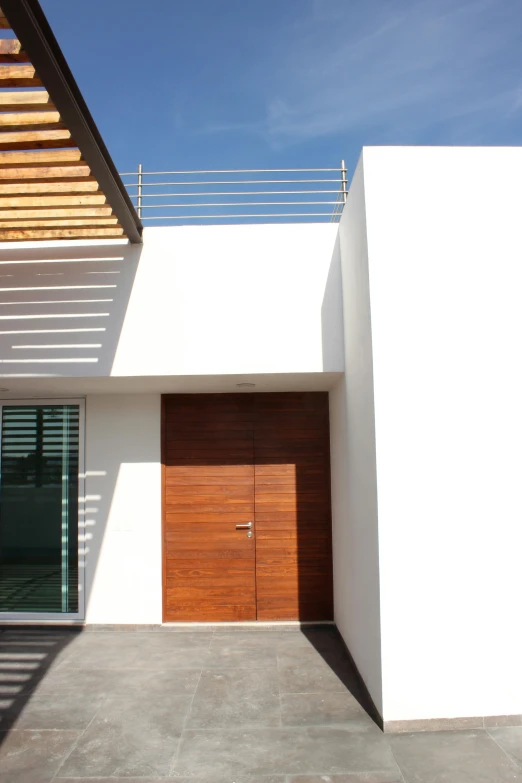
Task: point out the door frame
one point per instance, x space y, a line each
163 453
19 617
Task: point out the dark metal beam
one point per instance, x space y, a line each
33 30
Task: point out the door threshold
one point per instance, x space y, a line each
250 624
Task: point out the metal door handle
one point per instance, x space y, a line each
244 527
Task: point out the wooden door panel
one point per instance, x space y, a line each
230 459
209 565
292 507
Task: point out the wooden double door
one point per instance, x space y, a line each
246 507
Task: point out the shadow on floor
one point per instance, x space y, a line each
26 656
328 642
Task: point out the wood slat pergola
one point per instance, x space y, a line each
57 180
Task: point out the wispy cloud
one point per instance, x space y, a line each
395 67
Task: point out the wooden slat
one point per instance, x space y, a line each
87 185
26 100
33 120
297 503
289 470
219 436
231 449
196 481
228 593
229 493
200 611
300 536
293 525
198 496
84 212
44 173
11 51
195 517
209 470
201 429
19 76
89 199
211 545
208 534
201 449
292 566
290 606
194 569
289 518
291 583
277 478
205 551
230 459
24 235
38 139
206 408
4 24
40 158
57 223
284 484
226 586
212 508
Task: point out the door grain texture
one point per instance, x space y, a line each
233 458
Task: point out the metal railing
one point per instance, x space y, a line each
287 195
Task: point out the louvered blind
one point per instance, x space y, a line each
39 508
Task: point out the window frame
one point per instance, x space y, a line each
64 617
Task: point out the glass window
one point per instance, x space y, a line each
39 508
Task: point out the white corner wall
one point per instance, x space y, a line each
352 437
444 234
123 509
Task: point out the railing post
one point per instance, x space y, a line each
140 177
344 181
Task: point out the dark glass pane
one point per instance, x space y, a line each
39 508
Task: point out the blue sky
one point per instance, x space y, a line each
181 84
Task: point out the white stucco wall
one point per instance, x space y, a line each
445 267
123 509
192 300
228 299
352 437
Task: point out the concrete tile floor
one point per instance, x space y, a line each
209 706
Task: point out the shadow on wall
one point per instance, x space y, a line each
122 522
62 307
332 326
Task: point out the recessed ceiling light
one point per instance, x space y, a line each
245 385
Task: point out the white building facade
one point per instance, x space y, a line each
406 313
